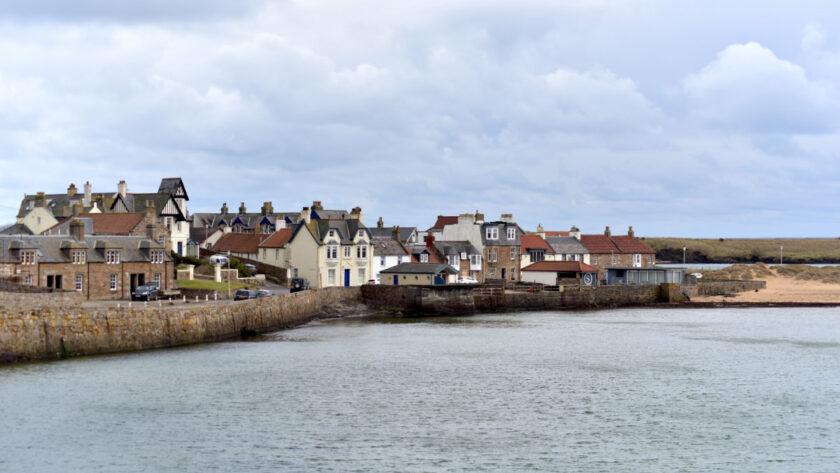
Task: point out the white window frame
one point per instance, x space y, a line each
347 252
332 252
112 256
454 261
475 260
331 277
361 251
492 233
27 257
27 280
424 257
78 256
513 253
637 260
79 282
156 257
492 255
362 275
511 233
112 282
157 279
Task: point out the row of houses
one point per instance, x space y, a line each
134 235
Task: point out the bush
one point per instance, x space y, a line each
244 272
179 260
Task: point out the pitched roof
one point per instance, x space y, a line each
443 220
173 186
421 268
553 233
566 245
387 246
620 244
239 242
560 267
115 223
628 244
503 239
404 232
346 229
452 248
53 248
16 229
418 248
534 242
277 239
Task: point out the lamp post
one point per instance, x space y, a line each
781 254
684 248
228 273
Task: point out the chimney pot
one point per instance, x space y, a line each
225 208
71 190
242 208
380 223
77 229
122 188
88 199
630 232
607 231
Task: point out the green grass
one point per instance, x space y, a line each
734 250
205 285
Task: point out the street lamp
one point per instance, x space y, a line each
228 273
781 254
684 248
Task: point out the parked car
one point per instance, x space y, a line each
245 294
298 284
147 292
252 267
467 280
263 293
219 260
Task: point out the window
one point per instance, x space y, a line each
346 251
637 260
536 255
475 260
513 274
361 233
424 257
180 226
112 256
362 276
511 233
27 257
361 251
78 256
454 261
493 255
513 253
27 279
156 256
399 259
79 282
331 233
331 277
294 272
112 282
382 261
492 233
332 252
615 259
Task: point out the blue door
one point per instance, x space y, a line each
396 280
180 248
346 278
438 279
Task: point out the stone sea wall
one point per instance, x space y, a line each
55 331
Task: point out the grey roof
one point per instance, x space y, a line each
387 246
54 248
249 220
420 268
172 186
346 229
567 245
404 233
503 239
453 248
61 205
16 229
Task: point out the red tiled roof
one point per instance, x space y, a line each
114 223
277 239
534 242
553 233
599 244
560 266
443 220
239 242
628 244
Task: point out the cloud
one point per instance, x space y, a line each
747 87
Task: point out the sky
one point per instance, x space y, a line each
705 119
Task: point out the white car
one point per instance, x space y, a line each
219 260
467 280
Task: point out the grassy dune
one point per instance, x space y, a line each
747 250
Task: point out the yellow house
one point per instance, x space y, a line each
331 252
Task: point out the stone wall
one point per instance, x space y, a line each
56 331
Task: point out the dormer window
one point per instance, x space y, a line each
27 257
77 256
424 258
156 256
361 233
332 233
511 233
492 233
112 256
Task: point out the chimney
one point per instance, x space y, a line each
150 231
305 215
316 205
88 199
630 232
430 241
151 211
122 188
40 200
380 223
71 190
395 232
356 214
78 208
540 231
267 208
242 208
77 229
575 232
507 218
466 219
224 209
479 217
607 231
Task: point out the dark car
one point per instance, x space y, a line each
147 292
245 294
263 293
251 267
298 284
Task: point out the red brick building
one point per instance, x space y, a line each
621 251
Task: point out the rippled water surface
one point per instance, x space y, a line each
618 391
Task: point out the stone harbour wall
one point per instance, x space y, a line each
56 331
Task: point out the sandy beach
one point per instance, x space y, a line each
784 289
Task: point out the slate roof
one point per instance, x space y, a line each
347 229
534 242
54 248
453 248
503 239
61 205
239 242
171 185
560 267
249 220
420 268
277 239
404 233
387 246
566 245
16 229
417 249
199 235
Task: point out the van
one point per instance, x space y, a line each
219 260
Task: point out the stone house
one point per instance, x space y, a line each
501 243
533 248
274 250
462 256
98 266
566 245
125 224
620 251
388 251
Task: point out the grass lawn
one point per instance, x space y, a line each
804 250
205 285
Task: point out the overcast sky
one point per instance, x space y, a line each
680 118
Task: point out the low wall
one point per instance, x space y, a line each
56 331
457 300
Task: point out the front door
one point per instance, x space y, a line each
137 279
438 280
180 248
346 278
396 280
503 273
50 280
58 281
